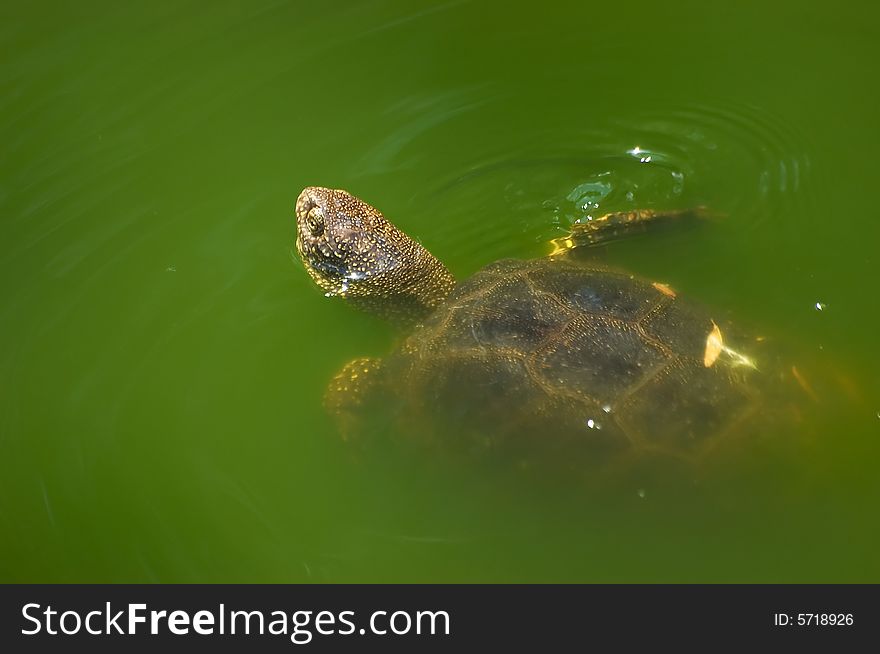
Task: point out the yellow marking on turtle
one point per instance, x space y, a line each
664 288
714 346
561 245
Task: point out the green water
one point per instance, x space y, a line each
163 356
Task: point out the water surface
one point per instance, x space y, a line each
163 356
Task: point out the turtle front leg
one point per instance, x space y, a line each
589 232
350 392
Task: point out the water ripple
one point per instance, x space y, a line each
761 161
735 159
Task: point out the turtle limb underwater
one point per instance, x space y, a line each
591 232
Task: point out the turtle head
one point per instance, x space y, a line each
344 243
352 251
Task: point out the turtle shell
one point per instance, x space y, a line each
576 359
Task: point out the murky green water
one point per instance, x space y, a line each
163 357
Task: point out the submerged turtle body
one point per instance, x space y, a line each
555 356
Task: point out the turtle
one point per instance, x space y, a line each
559 358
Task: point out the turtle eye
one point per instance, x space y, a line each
315 221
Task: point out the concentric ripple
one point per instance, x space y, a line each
737 160
749 160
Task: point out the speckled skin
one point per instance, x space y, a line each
567 358
349 249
